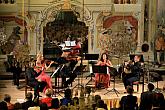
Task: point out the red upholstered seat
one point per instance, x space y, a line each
136 83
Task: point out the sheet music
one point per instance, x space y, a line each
70 43
90 69
107 70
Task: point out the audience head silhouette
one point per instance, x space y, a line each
130 90
151 87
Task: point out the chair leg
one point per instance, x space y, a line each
137 87
25 90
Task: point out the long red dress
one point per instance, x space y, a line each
43 76
102 78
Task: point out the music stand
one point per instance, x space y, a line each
91 58
113 72
100 70
78 71
57 81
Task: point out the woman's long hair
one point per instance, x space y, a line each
102 57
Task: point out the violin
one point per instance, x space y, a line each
50 62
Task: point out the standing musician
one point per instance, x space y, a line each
104 77
76 48
159 47
40 68
135 69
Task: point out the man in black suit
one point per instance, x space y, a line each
146 102
18 72
129 102
135 68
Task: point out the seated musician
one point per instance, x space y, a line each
31 75
40 68
103 78
69 63
135 70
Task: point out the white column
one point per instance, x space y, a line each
92 40
42 39
152 20
141 27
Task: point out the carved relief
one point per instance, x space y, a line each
119 36
49 13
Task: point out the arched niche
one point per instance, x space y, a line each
47 15
50 14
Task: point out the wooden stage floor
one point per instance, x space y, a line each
7 87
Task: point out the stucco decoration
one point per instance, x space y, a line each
119 36
82 13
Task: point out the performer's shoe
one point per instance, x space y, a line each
164 88
125 92
159 65
18 87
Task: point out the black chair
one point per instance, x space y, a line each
26 85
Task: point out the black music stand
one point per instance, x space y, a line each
91 57
113 72
57 82
100 70
91 60
78 70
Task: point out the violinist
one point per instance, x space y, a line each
135 69
40 68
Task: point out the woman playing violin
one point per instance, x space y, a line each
40 68
104 77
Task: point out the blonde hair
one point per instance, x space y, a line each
39 54
48 92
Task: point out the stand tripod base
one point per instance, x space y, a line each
112 90
91 80
57 91
78 86
157 89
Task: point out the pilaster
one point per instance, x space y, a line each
92 36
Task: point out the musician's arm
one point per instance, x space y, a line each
98 63
47 67
109 63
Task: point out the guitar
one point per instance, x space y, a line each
127 68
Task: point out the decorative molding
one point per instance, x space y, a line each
48 14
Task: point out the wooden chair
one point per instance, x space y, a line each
26 85
137 84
